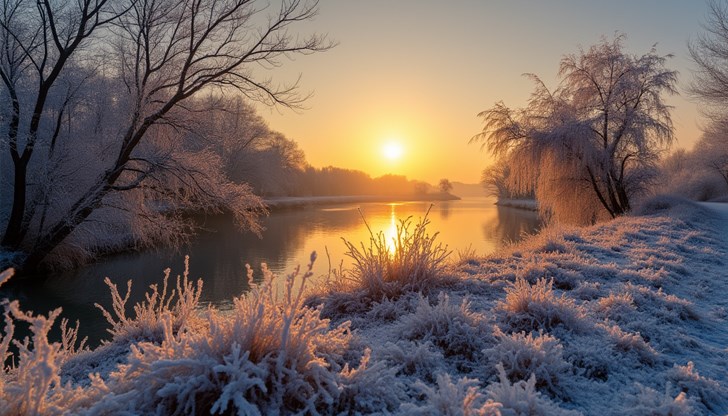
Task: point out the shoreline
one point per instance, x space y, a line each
302 201
526 204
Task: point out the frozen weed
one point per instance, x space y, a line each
650 402
522 399
420 359
370 388
269 354
413 263
453 328
630 342
533 307
522 355
146 325
616 306
452 399
708 391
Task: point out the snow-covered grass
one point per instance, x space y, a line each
627 317
411 261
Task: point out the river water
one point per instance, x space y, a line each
219 255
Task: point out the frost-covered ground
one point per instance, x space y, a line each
626 317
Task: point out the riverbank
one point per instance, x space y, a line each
527 204
625 317
293 201
8 259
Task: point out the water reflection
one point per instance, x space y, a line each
510 225
219 255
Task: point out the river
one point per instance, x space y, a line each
219 255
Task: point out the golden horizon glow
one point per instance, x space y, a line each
367 92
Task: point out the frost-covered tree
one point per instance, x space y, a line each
710 53
496 180
712 148
591 145
126 148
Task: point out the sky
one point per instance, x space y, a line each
417 73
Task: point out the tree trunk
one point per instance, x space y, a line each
14 231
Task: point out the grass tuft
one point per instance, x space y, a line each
412 262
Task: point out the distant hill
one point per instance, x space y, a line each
465 190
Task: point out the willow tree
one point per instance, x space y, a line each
591 145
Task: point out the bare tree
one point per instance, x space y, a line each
710 53
38 40
165 51
590 145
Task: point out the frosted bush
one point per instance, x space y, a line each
452 399
420 359
630 342
616 306
269 354
32 385
415 262
650 402
522 355
453 328
709 392
147 321
533 307
372 387
522 399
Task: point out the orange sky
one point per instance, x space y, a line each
418 72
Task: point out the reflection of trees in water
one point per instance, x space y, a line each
511 225
444 209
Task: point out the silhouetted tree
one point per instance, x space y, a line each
592 144
445 186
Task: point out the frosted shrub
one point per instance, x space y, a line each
453 328
370 388
708 391
522 355
532 307
522 399
414 358
147 321
270 354
415 261
33 385
616 306
626 342
452 399
650 402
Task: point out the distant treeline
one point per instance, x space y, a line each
273 165
333 181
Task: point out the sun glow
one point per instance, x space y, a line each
392 150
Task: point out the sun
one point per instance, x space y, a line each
392 150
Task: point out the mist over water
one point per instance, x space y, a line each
219 255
